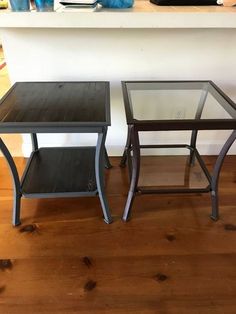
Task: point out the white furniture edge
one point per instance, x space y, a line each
118 19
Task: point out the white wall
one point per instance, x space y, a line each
124 54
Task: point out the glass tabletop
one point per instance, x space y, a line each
176 100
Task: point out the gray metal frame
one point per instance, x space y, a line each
16 184
101 160
132 144
216 174
99 172
101 157
134 161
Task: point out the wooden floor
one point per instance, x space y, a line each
170 258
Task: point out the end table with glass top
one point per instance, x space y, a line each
58 107
176 106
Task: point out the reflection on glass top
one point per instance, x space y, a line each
177 101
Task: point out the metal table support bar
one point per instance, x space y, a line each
16 183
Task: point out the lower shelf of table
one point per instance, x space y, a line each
173 173
60 172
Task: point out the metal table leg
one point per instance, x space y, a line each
127 147
216 173
16 183
108 165
134 137
198 114
34 142
99 172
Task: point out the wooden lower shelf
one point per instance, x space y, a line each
60 172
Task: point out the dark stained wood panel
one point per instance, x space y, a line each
56 102
61 170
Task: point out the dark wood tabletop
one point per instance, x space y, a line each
55 104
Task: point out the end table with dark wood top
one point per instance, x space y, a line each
176 106
58 107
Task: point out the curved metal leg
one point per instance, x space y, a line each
16 183
216 173
127 147
34 141
198 114
193 145
99 171
135 173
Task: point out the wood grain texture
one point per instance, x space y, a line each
170 258
55 102
60 170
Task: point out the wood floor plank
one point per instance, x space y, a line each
98 284
170 258
166 233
